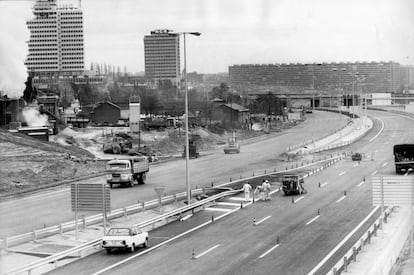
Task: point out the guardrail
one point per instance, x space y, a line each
78 249
83 222
310 141
351 254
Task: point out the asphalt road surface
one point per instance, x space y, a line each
21 215
233 245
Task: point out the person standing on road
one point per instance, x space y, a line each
268 186
247 188
265 192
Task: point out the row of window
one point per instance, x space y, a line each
71 35
41 63
73 45
71 31
73 58
42 54
43 31
42 45
71 22
71 27
72 49
74 62
42 58
40 21
43 27
73 67
42 68
42 35
72 40
72 53
43 49
42 40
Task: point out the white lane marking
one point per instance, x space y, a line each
166 242
207 251
227 203
274 191
262 220
356 164
333 251
186 217
341 198
217 209
384 164
270 250
373 173
325 183
379 132
343 173
376 151
361 183
312 220
295 201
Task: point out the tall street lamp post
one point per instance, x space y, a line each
187 150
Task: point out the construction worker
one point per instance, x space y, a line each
247 188
267 192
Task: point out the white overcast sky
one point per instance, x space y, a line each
233 32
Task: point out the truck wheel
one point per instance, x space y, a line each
132 248
145 244
108 251
142 178
110 185
131 183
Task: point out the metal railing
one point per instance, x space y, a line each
77 250
351 254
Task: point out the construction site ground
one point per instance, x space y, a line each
28 164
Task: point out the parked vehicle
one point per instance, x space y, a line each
124 238
404 158
356 157
293 184
118 145
127 171
233 145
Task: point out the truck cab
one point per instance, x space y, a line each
127 171
293 184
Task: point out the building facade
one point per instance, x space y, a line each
162 55
366 77
56 46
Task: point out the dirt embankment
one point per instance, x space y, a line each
27 164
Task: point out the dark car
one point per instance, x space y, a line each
356 157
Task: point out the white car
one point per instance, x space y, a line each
124 238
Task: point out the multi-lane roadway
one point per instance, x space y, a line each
21 215
288 238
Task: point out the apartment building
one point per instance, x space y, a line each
56 45
366 77
162 55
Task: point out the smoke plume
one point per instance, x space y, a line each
33 118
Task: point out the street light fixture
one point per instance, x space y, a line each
187 150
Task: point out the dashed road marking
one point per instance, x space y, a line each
361 183
325 183
262 220
373 173
356 164
299 199
343 173
270 250
312 220
385 164
274 191
237 199
207 251
341 198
